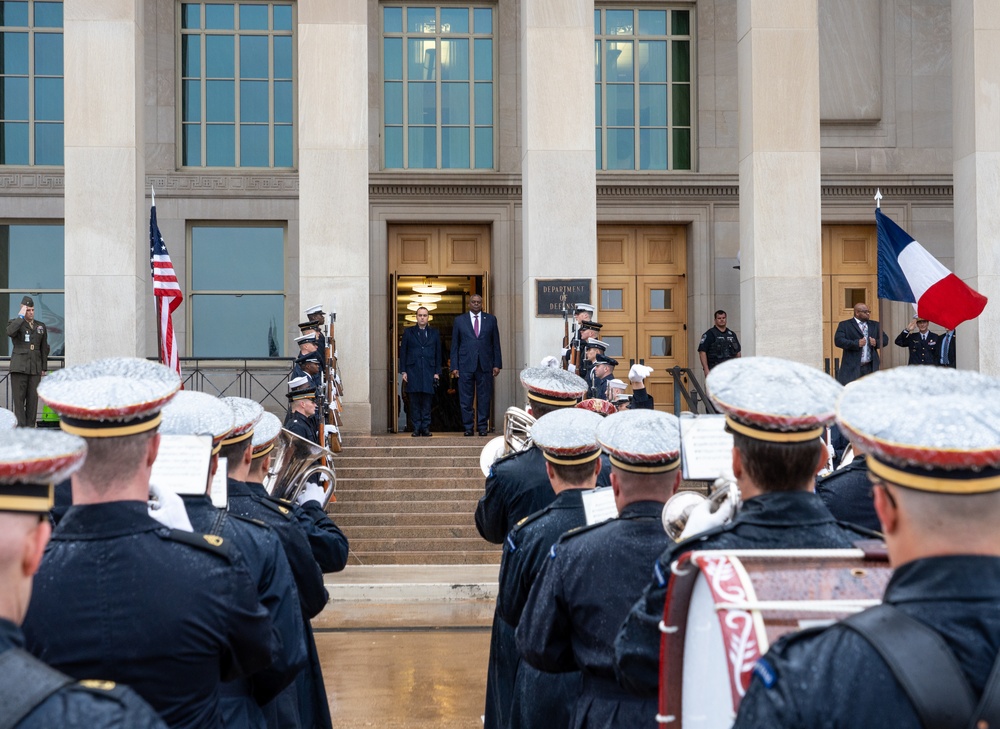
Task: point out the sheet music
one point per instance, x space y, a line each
182 463
599 505
706 447
219 491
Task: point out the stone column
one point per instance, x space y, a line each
780 229
107 251
975 33
559 194
333 184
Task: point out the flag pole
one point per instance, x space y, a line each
156 299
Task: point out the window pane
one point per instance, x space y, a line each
599 149
597 22
681 60
484 103
483 20
392 58
421 56
192 145
48 54
484 148
681 22
15 99
283 56
49 99
221 145
653 105
219 17
48 15
660 299
219 56
253 56
619 61
652 60
282 17
620 109
615 346
682 105
454 20
48 144
283 107
237 259
422 147
652 22
420 20
33 257
284 148
50 309
455 147
421 104
652 149
394 147
253 17
661 346
14 13
484 59
619 22
392 20
14 150
253 145
393 103
191 56
234 326
597 60
455 104
611 300
682 149
190 15
621 149
455 59
15 53
253 101
597 104
220 101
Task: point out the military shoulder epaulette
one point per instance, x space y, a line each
207 542
249 520
577 531
510 456
532 517
276 507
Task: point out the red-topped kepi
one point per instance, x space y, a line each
246 413
31 462
553 386
641 441
568 437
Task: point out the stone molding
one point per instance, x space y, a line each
29 181
185 184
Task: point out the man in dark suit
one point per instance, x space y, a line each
29 360
420 363
475 361
860 339
946 352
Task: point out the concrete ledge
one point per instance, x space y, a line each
413 583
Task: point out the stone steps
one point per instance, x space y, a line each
347 505
404 471
373 520
347 464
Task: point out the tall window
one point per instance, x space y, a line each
437 87
31 83
237 95
31 262
642 87
237 290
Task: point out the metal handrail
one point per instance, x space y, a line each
691 399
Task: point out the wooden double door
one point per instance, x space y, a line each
850 276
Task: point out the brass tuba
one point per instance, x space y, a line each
516 438
293 461
678 507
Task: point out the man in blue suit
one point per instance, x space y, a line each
475 361
420 363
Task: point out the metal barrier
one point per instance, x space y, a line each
691 398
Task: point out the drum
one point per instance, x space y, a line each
725 608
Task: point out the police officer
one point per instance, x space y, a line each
29 360
601 374
777 412
120 597
596 572
924 345
35 696
568 439
928 654
718 344
259 700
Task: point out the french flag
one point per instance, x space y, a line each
907 272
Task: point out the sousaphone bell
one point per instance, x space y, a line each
293 462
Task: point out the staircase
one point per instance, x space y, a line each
410 501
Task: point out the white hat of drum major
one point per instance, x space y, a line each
931 429
774 400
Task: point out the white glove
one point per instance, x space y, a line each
550 361
168 509
637 373
571 369
702 519
565 352
312 492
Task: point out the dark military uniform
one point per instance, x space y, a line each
847 493
782 520
577 603
539 699
120 597
599 387
719 346
94 705
641 399
839 678
302 426
923 350
28 360
264 557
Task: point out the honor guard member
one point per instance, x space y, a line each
641 399
300 383
924 345
591 349
581 313
590 331
585 331
719 344
301 418
259 700
568 439
119 596
29 360
309 365
777 411
317 317
601 374
34 696
927 656
595 573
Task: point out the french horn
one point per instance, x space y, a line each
516 438
293 462
677 510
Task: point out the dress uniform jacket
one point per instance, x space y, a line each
582 595
783 520
302 426
841 681
120 597
101 705
539 699
923 351
847 493
420 358
599 387
30 346
264 558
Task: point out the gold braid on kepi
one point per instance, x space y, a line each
246 413
774 400
197 413
109 398
553 386
641 441
568 437
265 435
31 462
927 428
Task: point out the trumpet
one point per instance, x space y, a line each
516 438
678 508
293 462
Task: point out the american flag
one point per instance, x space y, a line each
166 293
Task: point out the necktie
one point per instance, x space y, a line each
944 348
865 355
475 324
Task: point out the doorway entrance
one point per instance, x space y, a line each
850 276
440 267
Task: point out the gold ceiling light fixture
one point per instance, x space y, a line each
426 287
424 298
414 305
413 317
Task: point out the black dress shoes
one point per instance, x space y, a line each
426 434
468 433
483 433
415 434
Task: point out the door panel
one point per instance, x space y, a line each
661 250
615 250
616 299
662 299
850 275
